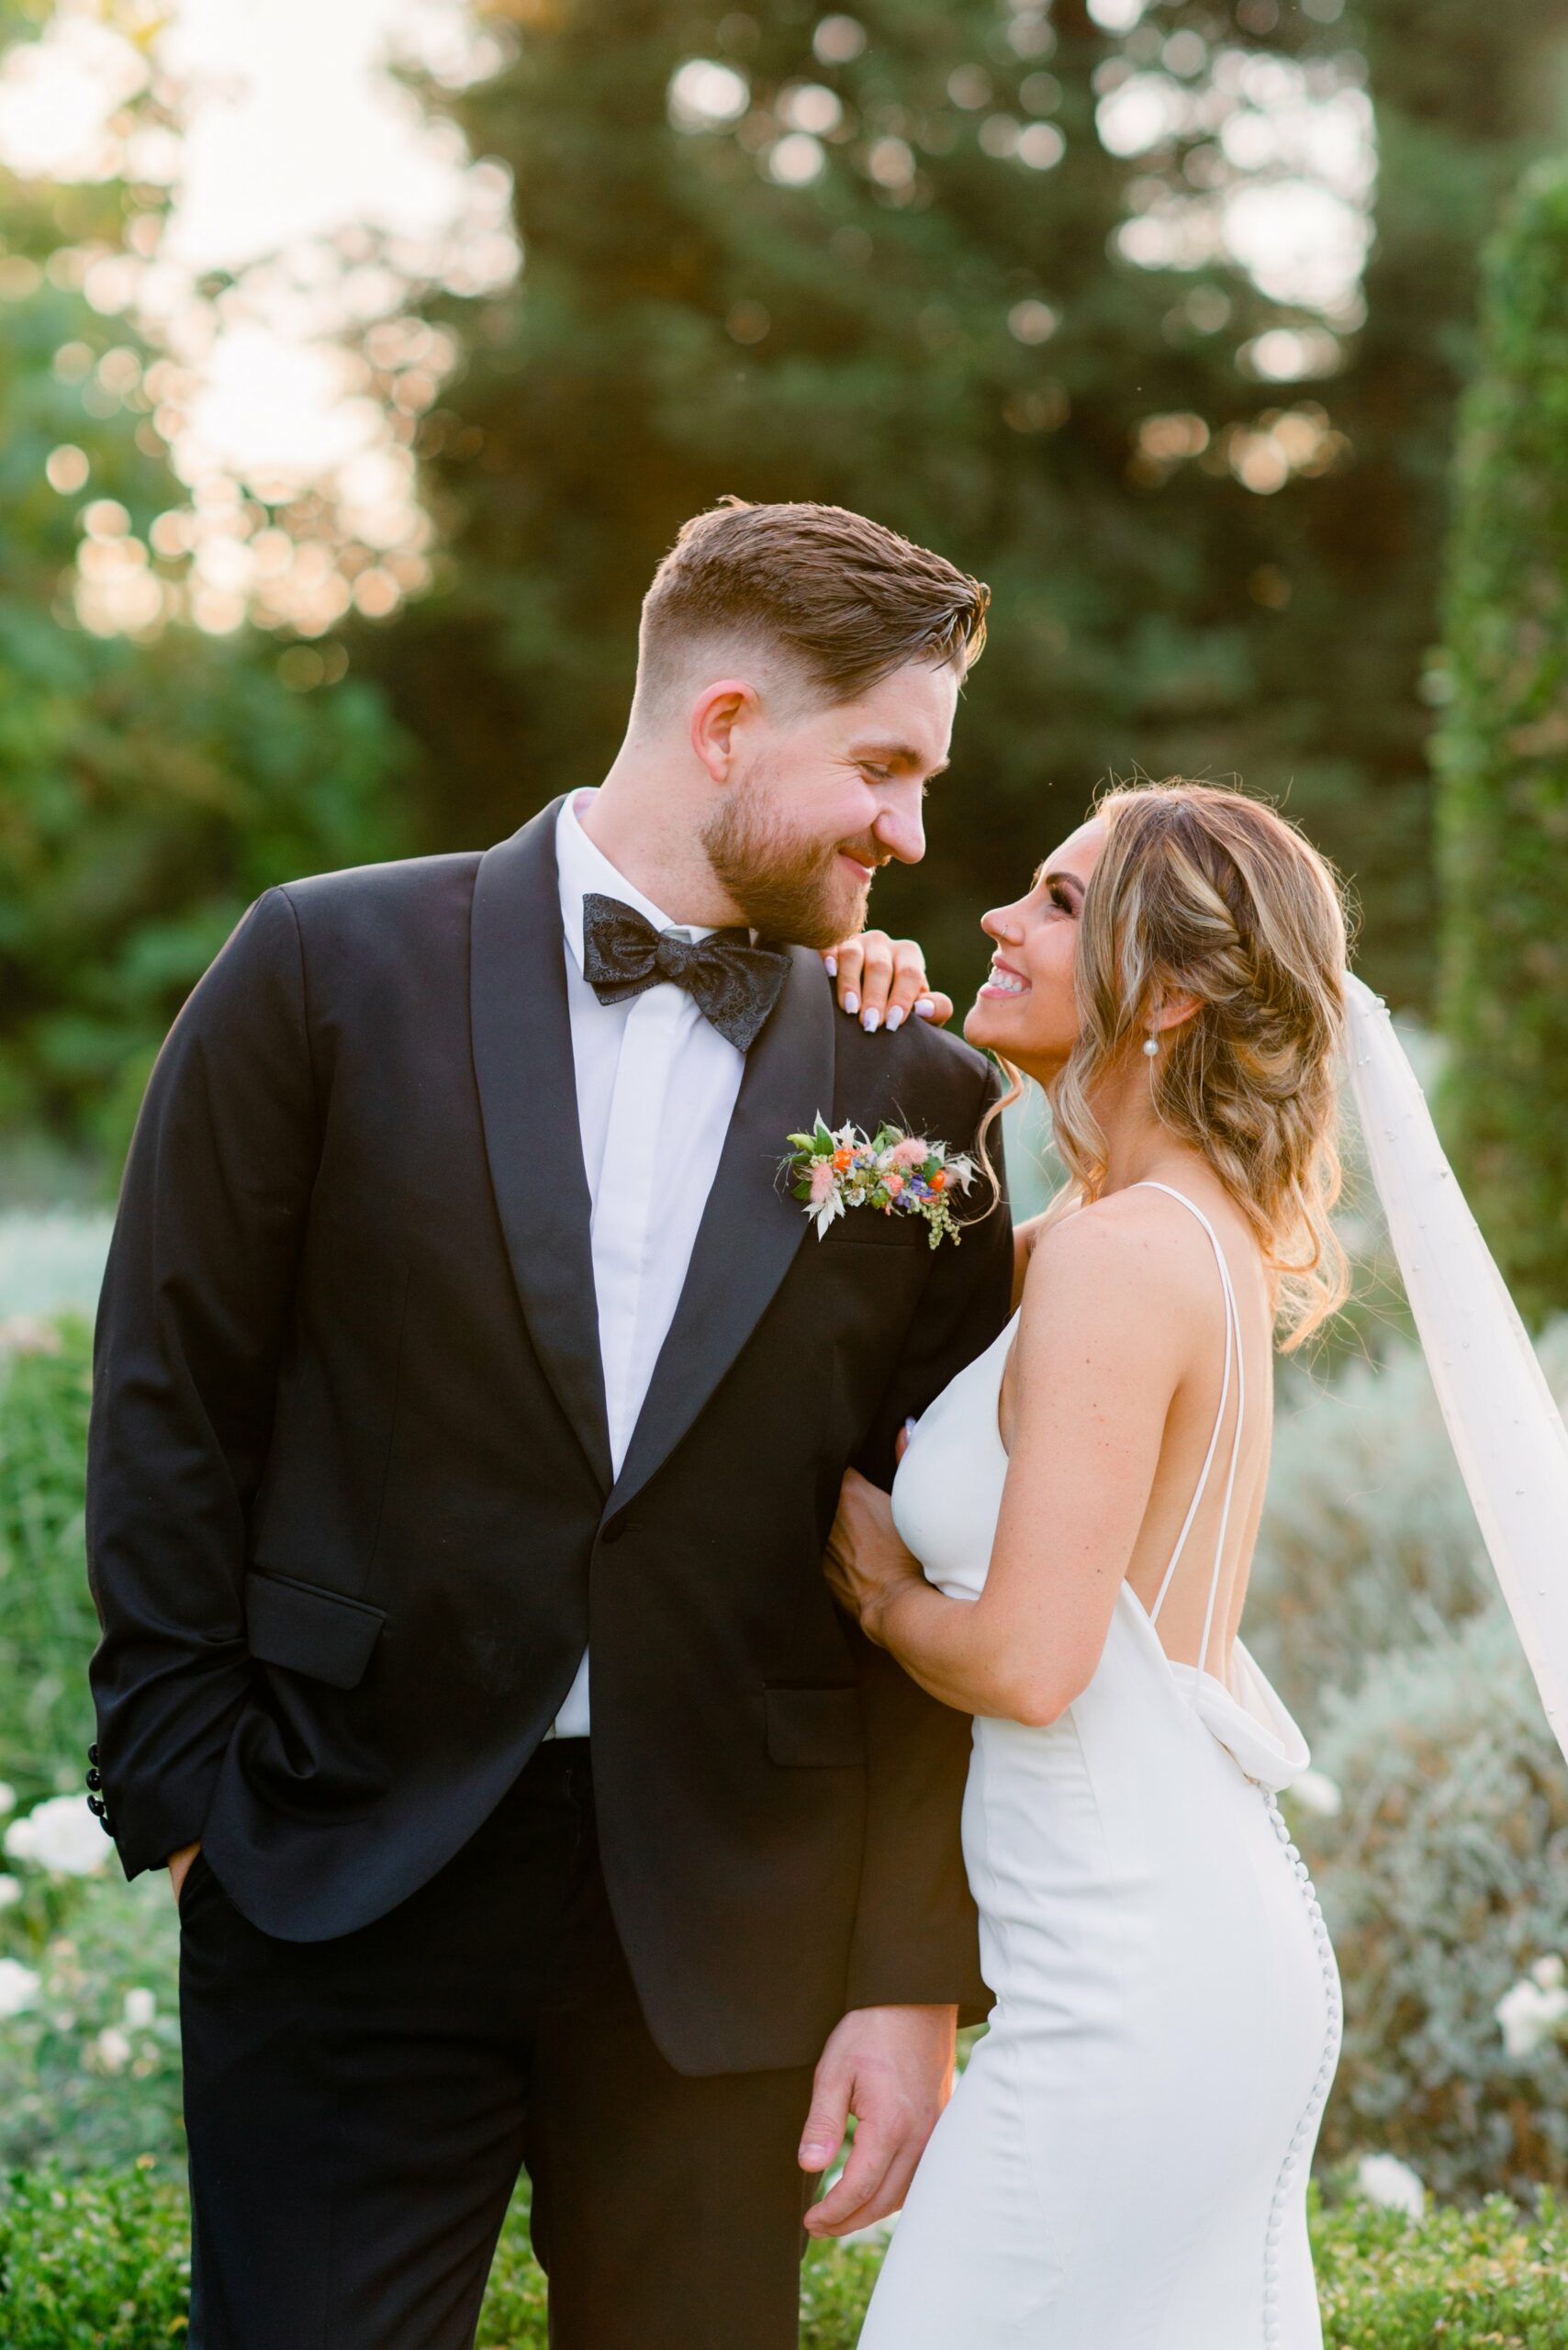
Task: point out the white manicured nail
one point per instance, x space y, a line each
852 1002
871 1023
830 965
895 1018
925 1009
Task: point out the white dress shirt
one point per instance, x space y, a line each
656 1084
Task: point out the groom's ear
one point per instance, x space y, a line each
718 710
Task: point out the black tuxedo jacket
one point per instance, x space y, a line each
351 1519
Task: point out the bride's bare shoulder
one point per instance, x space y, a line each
1127 1256
1128 1223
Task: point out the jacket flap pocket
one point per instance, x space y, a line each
815 1728
319 1633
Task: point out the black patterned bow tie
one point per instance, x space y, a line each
735 984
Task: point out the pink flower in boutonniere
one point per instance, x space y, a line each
896 1174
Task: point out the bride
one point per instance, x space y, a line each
1065 1556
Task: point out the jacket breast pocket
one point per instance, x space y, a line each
319 1633
814 1729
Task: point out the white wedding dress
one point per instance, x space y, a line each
1124 2164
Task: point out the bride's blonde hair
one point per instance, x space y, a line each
1204 892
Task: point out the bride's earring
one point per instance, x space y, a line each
1151 1044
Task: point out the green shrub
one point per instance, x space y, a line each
1443 1877
46 1625
102 2261
1503 757
90 2069
94 2264
1367 1540
1368 1543
1459 2279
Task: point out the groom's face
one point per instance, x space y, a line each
815 804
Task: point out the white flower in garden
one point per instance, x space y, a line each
18 1986
7 1796
61 1835
10 1892
1530 2011
1384 2179
1316 1790
28 1333
140 2007
114 2049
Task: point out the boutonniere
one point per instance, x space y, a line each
896 1174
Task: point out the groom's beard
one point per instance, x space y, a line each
785 886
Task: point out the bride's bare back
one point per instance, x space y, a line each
1187 1294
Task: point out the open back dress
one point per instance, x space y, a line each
1124 2162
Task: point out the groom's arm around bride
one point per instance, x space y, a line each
470 1404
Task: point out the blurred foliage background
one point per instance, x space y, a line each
1228 341
1158 315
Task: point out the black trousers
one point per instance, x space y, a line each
359 2112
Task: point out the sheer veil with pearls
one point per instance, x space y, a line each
1508 1434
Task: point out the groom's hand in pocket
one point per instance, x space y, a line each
892 2070
180 1868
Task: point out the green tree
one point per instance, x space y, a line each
686 325
1463 98
930 328
151 783
1503 757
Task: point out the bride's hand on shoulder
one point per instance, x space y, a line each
881 982
866 1560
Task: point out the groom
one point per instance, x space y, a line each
470 1409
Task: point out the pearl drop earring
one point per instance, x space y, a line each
1151 1044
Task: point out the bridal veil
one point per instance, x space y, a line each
1506 1432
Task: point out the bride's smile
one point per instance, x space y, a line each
1027 1008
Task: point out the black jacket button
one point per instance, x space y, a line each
615 1529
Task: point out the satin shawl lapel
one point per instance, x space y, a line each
750 1228
528 1097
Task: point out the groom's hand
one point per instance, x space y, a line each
892 2068
180 1868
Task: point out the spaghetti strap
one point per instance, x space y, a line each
1232 1338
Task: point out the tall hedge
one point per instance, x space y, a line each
1503 757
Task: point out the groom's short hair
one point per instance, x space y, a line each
844 600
